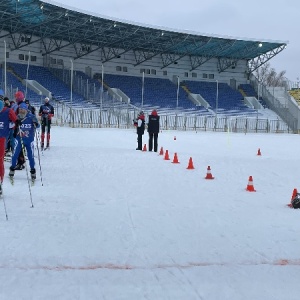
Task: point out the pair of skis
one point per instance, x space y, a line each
45 148
12 180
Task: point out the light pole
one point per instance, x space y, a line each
217 104
298 88
176 117
5 83
258 90
177 93
71 92
143 81
217 97
101 98
27 73
71 96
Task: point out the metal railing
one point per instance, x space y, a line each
122 117
289 112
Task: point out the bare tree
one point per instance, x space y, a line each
269 77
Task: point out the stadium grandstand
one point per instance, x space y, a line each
100 71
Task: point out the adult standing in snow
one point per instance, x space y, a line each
24 135
140 128
46 113
7 115
153 130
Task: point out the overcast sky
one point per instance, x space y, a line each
256 19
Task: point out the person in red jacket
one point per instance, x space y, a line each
7 115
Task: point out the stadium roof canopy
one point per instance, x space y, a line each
38 21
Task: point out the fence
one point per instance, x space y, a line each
122 117
289 112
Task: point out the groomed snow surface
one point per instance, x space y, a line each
112 223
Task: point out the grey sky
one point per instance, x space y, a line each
256 19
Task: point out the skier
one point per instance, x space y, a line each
24 138
7 115
19 96
153 129
46 113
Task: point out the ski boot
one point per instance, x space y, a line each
33 175
11 174
42 146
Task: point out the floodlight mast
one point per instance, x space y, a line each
217 98
5 80
143 82
177 93
71 92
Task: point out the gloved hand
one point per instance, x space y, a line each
37 126
15 132
18 123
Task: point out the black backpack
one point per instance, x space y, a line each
296 201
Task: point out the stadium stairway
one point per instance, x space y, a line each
249 91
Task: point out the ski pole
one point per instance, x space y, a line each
23 150
4 205
37 145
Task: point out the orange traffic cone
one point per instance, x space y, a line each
174 138
294 194
190 165
145 147
161 152
208 174
167 155
175 159
258 152
250 186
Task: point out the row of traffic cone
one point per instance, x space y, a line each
190 164
249 188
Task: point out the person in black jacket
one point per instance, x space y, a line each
140 128
153 130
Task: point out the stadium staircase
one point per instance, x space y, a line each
248 91
157 93
230 101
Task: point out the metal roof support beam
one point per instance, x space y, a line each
63 27
257 62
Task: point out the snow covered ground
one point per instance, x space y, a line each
111 222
